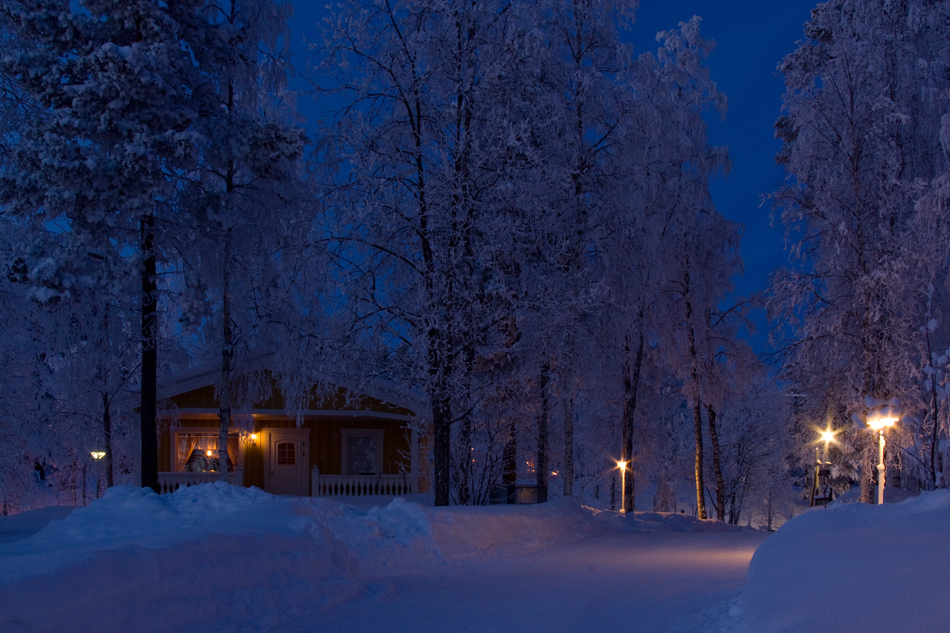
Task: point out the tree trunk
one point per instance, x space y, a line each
441 449
440 379
107 437
934 410
717 466
631 383
697 404
541 463
700 483
464 487
568 446
509 473
227 356
149 334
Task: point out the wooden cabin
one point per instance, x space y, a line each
346 444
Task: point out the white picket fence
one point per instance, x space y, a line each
360 485
170 482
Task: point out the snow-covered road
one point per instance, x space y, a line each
654 582
224 559
221 559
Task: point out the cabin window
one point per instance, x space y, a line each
362 451
286 454
198 452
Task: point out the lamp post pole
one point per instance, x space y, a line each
97 456
881 472
879 422
623 481
827 436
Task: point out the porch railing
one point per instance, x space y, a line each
360 485
170 482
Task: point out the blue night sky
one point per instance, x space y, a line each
751 37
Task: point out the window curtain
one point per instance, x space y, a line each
204 442
232 451
186 444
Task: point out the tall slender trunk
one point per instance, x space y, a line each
107 436
149 334
227 333
697 404
541 463
441 446
464 487
568 446
934 410
717 465
102 373
509 473
227 357
700 483
631 384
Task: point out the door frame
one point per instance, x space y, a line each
301 436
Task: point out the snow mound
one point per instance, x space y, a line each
193 560
854 567
223 558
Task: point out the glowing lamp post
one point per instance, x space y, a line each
622 465
879 421
827 436
97 456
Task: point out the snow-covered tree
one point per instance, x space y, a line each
865 92
245 204
104 160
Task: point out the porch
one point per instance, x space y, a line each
320 485
361 485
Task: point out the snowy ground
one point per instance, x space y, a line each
219 558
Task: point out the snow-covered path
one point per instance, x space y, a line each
655 582
222 559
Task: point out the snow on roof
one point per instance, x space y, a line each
206 374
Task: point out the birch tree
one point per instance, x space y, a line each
865 90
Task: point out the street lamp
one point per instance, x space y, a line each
97 456
878 421
827 436
622 465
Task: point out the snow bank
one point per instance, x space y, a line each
856 567
224 558
194 560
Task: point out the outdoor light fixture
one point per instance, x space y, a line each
880 420
622 465
827 436
98 454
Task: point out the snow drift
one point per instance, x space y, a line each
854 567
224 558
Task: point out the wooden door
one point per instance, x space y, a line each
287 462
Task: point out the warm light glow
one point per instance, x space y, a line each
827 436
878 423
253 438
98 454
209 453
622 465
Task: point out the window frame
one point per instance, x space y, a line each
346 434
202 430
